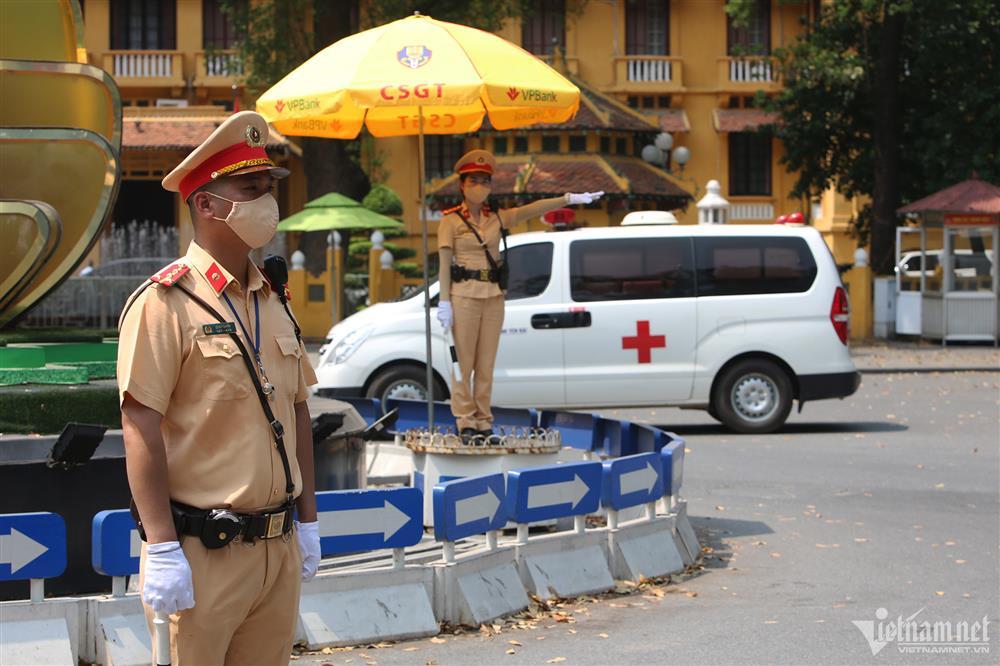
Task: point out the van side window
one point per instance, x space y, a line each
631 269
731 266
530 270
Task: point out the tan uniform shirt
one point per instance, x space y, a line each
219 446
455 234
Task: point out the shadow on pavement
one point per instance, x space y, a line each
715 534
788 429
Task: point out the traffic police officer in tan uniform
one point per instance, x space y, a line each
218 445
472 300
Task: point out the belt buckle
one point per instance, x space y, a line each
275 525
484 275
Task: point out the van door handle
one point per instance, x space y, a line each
561 320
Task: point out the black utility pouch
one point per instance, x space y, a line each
219 528
457 273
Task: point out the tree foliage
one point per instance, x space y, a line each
889 99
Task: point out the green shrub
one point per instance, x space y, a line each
382 199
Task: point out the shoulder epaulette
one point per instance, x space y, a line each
171 274
453 209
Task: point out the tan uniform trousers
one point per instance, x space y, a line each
246 602
477 326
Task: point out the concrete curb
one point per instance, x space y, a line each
924 370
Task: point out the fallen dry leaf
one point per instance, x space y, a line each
603 635
438 641
775 554
511 651
514 643
770 622
555 660
959 561
939 593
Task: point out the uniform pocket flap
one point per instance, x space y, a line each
217 345
288 345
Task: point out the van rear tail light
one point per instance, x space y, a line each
840 314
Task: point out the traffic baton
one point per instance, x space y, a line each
161 625
456 369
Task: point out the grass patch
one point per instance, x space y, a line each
42 409
20 335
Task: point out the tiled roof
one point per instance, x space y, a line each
552 176
179 133
743 120
674 120
645 179
969 196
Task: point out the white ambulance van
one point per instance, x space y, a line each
738 320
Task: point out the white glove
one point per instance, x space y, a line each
582 198
309 547
444 314
167 585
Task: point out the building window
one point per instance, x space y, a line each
647 102
440 154
633 101
144 25
605 145
550 143
755 37
520 144
621 146
577 143
219 29
647 27
544 27
499 145
749 164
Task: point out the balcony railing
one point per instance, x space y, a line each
754 70
752 211
220 68
145 67
647 73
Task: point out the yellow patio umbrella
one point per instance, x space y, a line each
418 76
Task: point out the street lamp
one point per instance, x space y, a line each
657 153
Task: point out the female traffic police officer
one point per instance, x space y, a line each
218 444
472 299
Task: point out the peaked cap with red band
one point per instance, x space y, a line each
474 161
236 146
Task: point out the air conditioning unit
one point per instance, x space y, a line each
171 102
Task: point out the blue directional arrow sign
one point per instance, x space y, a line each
465 507
545 493
356 520
672 457
32 545
115 543
632 480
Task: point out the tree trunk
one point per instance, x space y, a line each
328 163
886 110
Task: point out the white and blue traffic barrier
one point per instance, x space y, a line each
560 564
576 429
347 608
484 584
644 547
509 420
413 414
33 548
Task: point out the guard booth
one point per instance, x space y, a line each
947 283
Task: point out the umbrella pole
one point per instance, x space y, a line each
427 280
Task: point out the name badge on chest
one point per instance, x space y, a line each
219 329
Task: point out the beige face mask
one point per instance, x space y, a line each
476 194
255 222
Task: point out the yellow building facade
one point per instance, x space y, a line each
682 65
178 77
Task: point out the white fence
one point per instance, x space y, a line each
752 211
144 65
748 70
649 70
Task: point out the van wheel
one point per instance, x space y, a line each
753 396
403 382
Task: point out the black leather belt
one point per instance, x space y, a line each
481 274
217 527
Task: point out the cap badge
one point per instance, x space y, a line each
414 56
254 139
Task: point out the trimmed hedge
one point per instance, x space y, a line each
43 409
20 335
